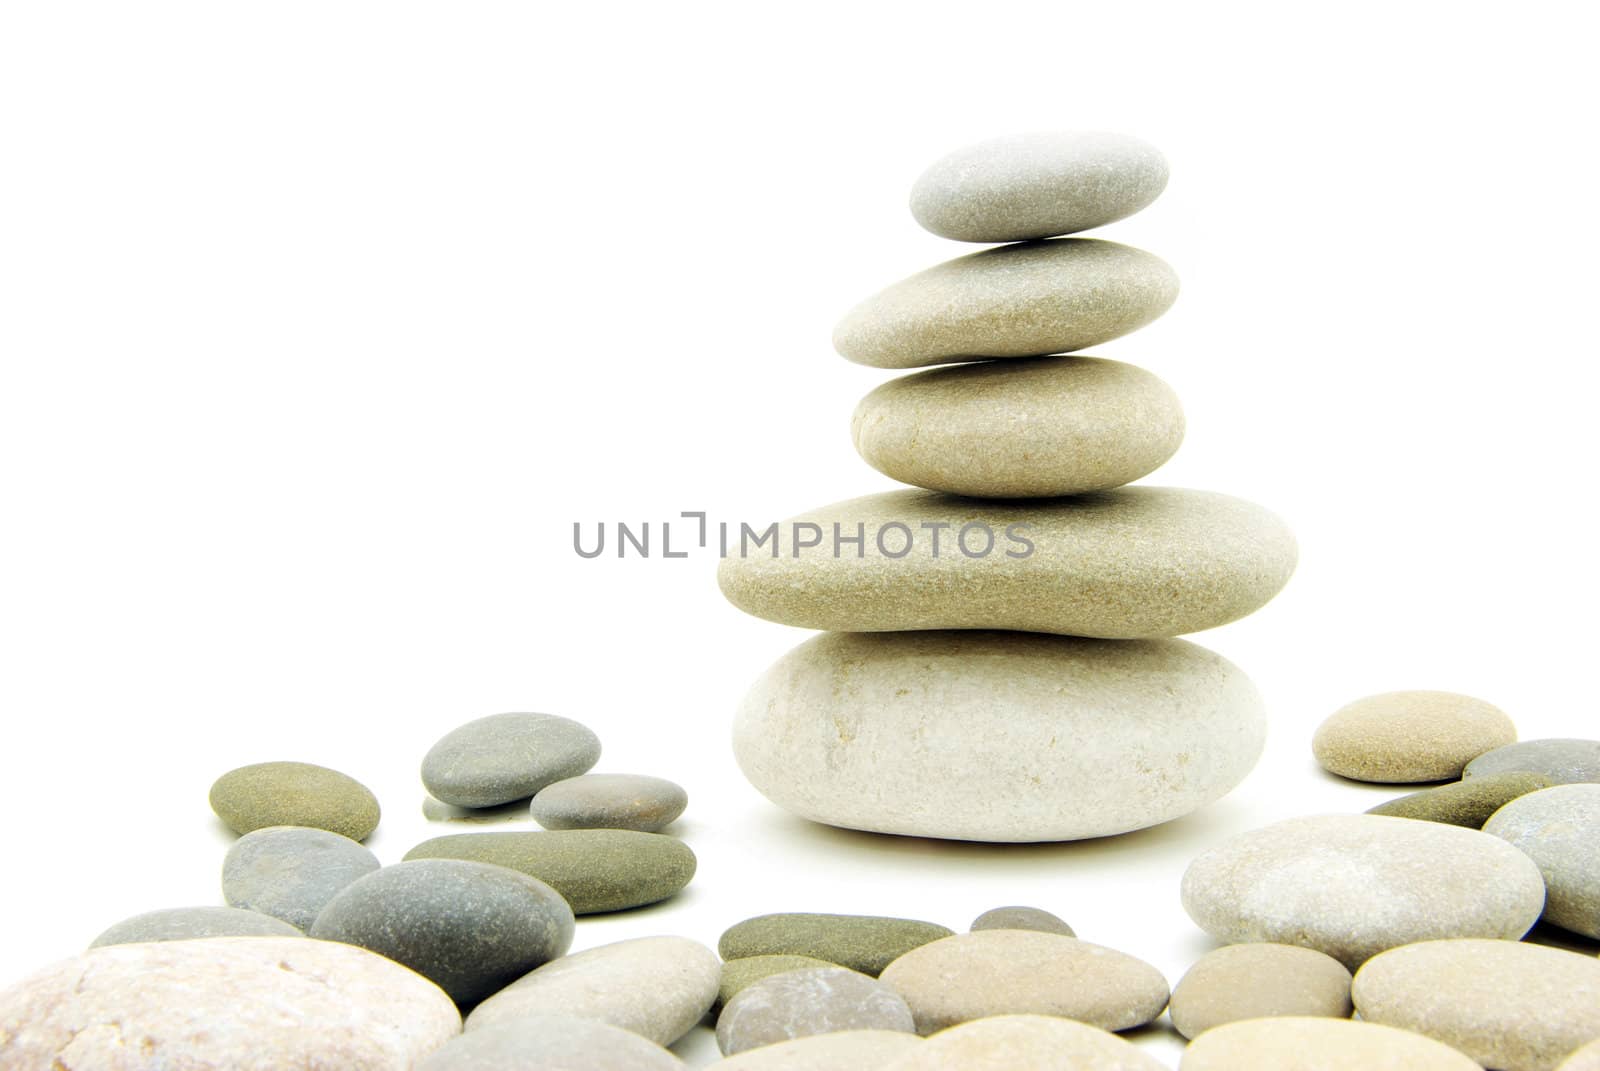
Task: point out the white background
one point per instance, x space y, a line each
324 322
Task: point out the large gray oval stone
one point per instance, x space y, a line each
1559 829
536 1042
189 923
291 872
1034 1042
797 1004
507 757
294 794
1312 1044
1562 761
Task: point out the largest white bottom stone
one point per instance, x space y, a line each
997 736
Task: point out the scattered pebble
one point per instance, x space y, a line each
1559 829
1025 1043
291 872
1409 737
610 801
188 923
550 1043
798 1004
1464 803
1021 918
1564 762
739 973
1259 981
865 943
294 794
507 757
1318 1045
844 1050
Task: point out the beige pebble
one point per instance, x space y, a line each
1025 1043
1410 737
1585 1059
1259 981
846 1050
1314 1044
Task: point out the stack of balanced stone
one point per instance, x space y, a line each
999 661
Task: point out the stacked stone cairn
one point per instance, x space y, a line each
998 659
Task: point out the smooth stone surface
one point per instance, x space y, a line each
551 1043
1022 972
1318 1045
1409 737
224 1004
1021 918
844 1050
1559 829
1017 737
1134 563
1020 429
506 757
656 987
609 801
1354 885
1585 1059
865 943
294 794
1259 981
1025 1043
1508 1005
595 870
1016 301
739 973
291 872
1464 803
797 1004
1563 761
470 927
189 923
1011 189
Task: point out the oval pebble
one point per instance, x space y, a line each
470 927
550 1043
1318 1045
1023 186
1031 1042
1020 429
739 973
506 757
1354 885
294 794
1021 918
1012 972
1562 761
865 943
1259 981
656 987
609 801
845 1050
1508 1005
291 872
596 870
798 1004
1016 301
1585 1059
1559 829
1018 737
1464 803
189 923
241 1003
1408 737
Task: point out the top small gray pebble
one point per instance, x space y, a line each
609 801
1025 186
507 757
1563 762
1021 918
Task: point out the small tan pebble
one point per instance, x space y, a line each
1025 1043
1259 981
739 973
1585 1059
844 1050
1021 918
294 794
1294 1044
1410 737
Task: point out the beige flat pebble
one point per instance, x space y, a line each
1025 1043
846 1050
1259 981
1585 1059
1410 737
1318 1045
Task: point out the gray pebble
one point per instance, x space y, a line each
1559 829
1564 762
291 872
799 1004
507 757
189 923
550 1043
609 801
1021 918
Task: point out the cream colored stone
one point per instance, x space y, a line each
1410 737
1292 1044
1259 981
1025 1043
1585 1059
846 1050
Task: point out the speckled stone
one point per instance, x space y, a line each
1463 803
1408 737
1017 737
294 794
1020 972
656 987
1508 1005
1033 428
1016 301
1585 1059
1023 186
1559 829
1021 918
1318 1045
291 872
233 1003
865 943
596 870
845 1050
610 801
1031 1042
470 927
1259 981
189 923
506 757
797 1004
739 973
1134 563
1354 885
1563 761
551 1043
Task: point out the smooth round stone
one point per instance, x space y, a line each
1318 1045
1407 737
1585 1059
1559 829
865 943
294 794
1011 189
1031 1042
1134 563
797 1004
1563 762
1260 981
737 974
609 801
1508 1005
845 1050
656 987
595 870
1464 803
1016 301
1018 737
1020 429
189 923
240 1003
470 927
1021 918
1021 972
1353 885
291 872
550 1043
506 757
